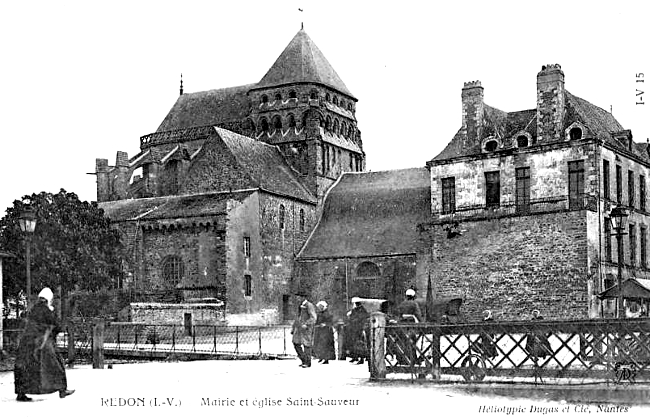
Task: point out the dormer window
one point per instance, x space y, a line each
292 94
265 98
522 141
336 101
327 97
575 133
491 146
278 96
313 95
292 121
264 125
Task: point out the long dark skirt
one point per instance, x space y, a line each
39 369
324 343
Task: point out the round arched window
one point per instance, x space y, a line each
368 269
173 270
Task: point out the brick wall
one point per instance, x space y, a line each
513 265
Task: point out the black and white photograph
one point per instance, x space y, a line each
325 208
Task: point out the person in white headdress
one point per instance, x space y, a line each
39 369
409 310
324 334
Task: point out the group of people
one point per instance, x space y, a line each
313 334
313 328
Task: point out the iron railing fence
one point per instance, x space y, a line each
588 351
127 338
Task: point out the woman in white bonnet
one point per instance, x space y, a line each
39 369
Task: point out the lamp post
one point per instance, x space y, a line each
27 221
618 217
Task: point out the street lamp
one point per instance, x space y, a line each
27 221
618 217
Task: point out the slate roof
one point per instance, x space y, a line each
373 213
302 62
265 164
170 207
212 107
505 125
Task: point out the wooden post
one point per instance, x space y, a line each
340 339
377 347
98 344
435 353
71 348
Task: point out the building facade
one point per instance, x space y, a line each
223 195
527 195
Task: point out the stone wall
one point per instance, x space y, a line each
175 313
336 281
512 265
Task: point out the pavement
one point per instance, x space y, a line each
212 388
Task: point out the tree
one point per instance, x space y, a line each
73 245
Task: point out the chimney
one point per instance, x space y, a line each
472 96
550 103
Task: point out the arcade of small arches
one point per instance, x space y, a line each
265 99
329 124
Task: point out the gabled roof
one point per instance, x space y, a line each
250 164
266 165
171 207
212 107
373 213
302 62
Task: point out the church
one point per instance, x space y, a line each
223 195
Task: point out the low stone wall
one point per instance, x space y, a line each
262 318
175 313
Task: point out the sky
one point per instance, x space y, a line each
83 80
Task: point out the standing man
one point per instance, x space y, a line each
303 330
409 310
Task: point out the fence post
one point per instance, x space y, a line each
259 336
435 353
98 344
71 348
340 336
377 347
237 340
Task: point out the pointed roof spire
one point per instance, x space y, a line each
181 84
302 62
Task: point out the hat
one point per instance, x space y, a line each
322 304
410 292
355 300
46 294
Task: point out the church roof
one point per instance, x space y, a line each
266 165
373 213
302 62
253 164
504 125
171 207
212 107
